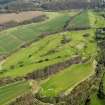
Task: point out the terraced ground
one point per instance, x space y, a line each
79 20
34 57
15 37
65 80
9 92
52 49
48 51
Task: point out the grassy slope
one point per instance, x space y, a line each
98 21
87 19
17 36
10 92
41 50
65 80
80 21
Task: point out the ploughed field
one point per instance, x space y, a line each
19 17
63 59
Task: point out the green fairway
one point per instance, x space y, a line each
17 36
10 92
66 79
48 51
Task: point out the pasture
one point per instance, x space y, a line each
20 35
80 21
67 79
10 92
49 51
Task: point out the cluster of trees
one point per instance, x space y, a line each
100 37
21 5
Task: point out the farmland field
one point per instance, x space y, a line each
65 80
10 92
34 57
19 17
79 20
90 18
62 49
22 34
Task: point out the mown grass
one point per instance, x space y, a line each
48 51
12 38
87 19
9 92
80 21
66 79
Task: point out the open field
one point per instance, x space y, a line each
48 51
80 21
10 92
66 79
19 17
87 19
22 34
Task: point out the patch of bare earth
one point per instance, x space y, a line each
19 17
